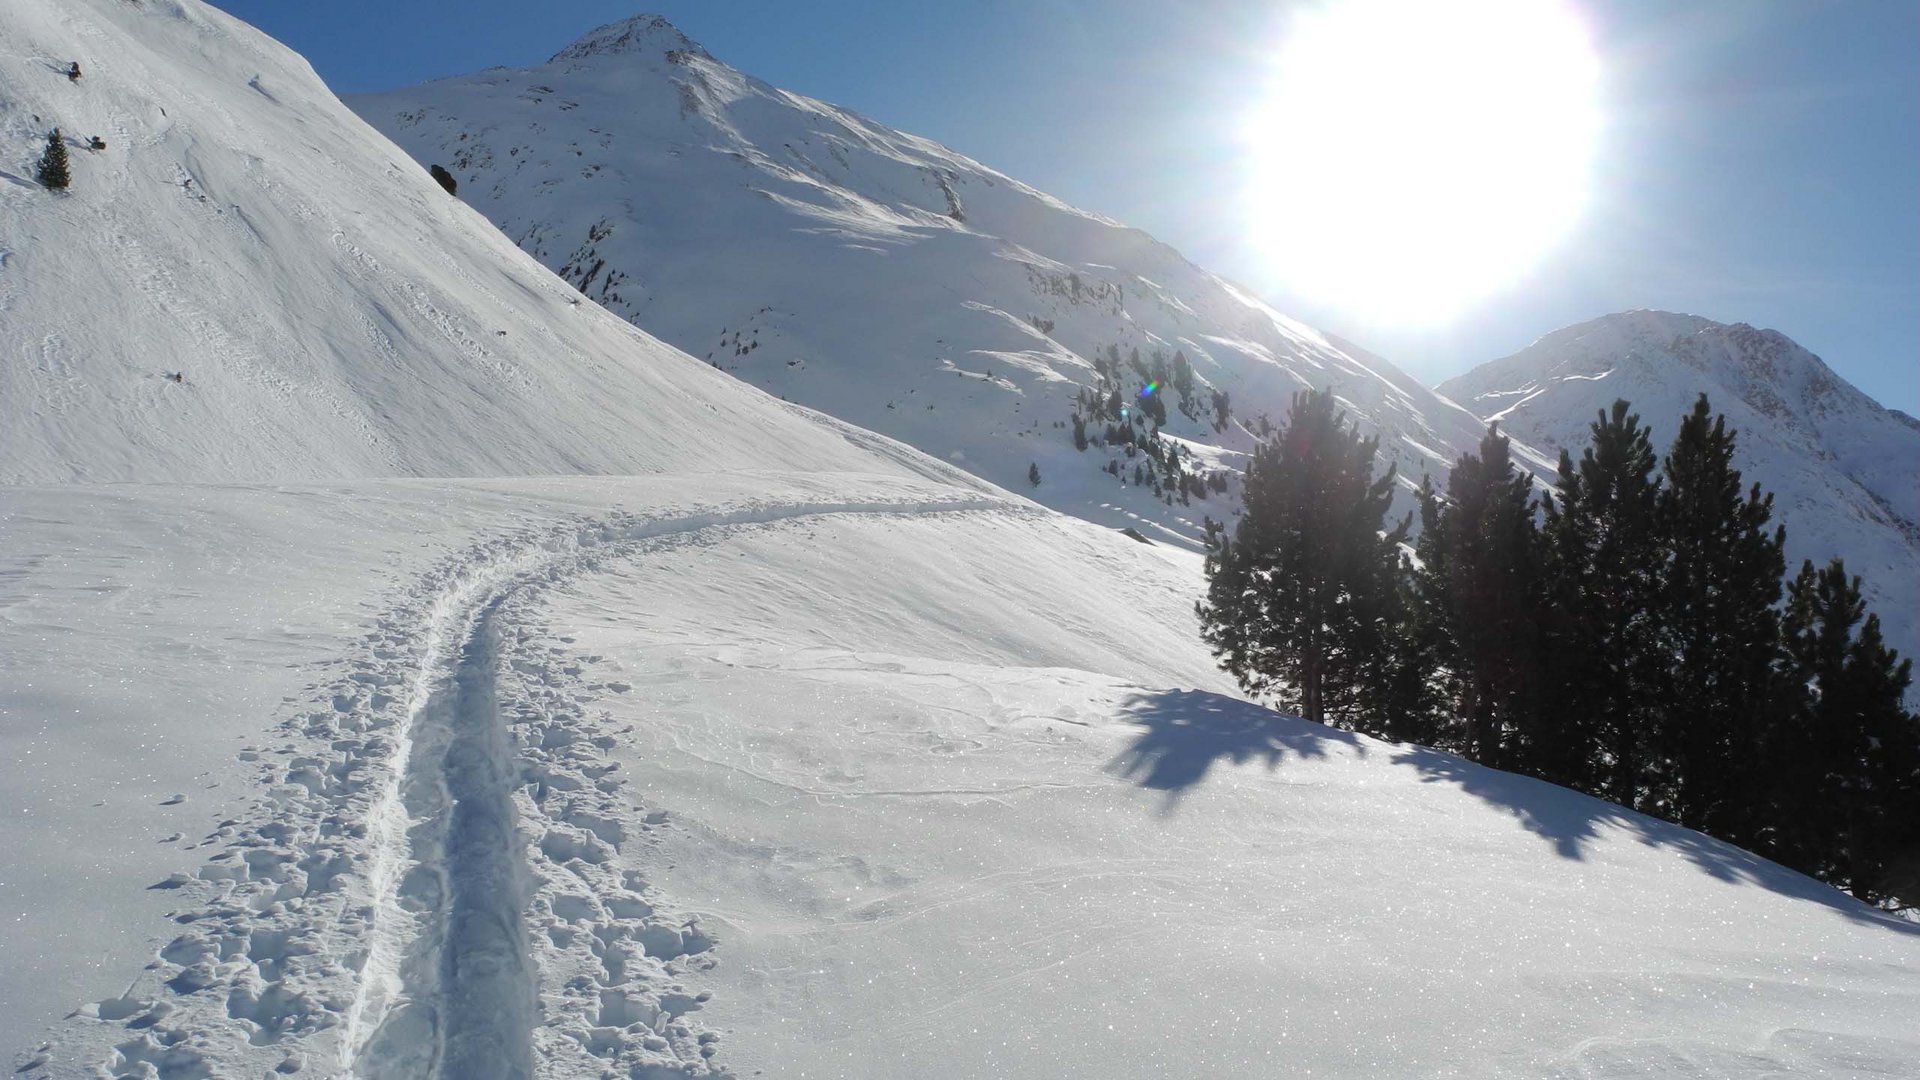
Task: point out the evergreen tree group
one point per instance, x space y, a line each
1628 634
1129 405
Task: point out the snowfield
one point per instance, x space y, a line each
602 774
548 704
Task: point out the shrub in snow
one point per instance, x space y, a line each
445 178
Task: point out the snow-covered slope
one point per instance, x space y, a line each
332 312
875 275
802 754
1844 470
748 772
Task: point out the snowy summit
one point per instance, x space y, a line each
649 34
889 281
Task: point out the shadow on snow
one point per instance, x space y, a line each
1186 731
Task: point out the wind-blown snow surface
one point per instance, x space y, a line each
872 274
1844 470
801 755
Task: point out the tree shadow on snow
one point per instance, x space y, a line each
1186 731
1571 821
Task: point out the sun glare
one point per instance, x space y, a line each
1411 156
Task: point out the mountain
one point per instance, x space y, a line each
1841 466
792 751
330 312
883 278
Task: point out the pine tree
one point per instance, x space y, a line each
1154 405
1720 630
1033 473
1481 587
1301 602
1605 572
52 172
1841 763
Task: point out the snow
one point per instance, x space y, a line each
860 270
334 313
1841 466
673 730
784 787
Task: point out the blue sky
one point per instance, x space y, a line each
1760 163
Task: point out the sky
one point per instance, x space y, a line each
1756 162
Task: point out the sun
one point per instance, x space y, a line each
1410 157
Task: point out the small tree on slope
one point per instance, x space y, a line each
52 172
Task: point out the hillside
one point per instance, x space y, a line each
1841 466
796 752
331 311
883 278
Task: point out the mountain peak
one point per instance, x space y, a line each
638 34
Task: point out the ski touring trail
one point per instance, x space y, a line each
427 886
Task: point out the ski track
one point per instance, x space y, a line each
427 888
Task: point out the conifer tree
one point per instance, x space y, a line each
1719 627
1301 602
1033 473
52 172
1481 586
1605 566
1842 761
1154 404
